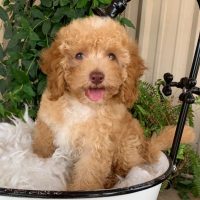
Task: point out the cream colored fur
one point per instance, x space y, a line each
90 119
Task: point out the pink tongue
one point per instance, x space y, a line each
95 94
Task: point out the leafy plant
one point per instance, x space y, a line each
28 29
154 111
188 177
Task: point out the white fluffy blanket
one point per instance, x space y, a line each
21 169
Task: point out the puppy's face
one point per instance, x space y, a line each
94 60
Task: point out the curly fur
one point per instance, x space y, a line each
104 138
21 169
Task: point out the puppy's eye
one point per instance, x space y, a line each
112 56
79 56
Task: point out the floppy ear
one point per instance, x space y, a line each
135 69
50 65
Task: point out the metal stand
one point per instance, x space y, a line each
188 87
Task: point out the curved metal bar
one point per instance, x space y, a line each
185 106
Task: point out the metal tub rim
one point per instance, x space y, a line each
87 194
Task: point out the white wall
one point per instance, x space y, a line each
168 32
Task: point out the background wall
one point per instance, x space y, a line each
167 33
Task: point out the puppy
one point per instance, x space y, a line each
93 69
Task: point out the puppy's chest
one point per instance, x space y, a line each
82 125
72 128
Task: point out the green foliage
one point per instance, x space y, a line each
28 29
188 177
127 22
155 111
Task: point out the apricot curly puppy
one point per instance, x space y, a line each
93 69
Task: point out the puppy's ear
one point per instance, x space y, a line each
50 65
134 70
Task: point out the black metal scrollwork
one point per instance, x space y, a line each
115 8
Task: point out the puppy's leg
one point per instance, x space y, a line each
91 171
43 140
130 149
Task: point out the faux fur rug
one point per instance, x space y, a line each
21 169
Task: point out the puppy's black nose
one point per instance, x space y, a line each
96 77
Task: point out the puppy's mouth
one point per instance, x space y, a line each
95 94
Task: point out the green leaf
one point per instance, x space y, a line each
20 76
71 13
81 3
42 43
24 23
46 3
181 152
1 52
28 55
33 36
33 43
33 70
64 2
80 12
95 3
127 22
55 2
14 55
58 15
26 64
105 1
22 34
2 109
8 30
197 100
141 109
55 28
28 90
186 182
22 3
3 14
13 42
41 86
36 13
6 2
36 23
46 27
